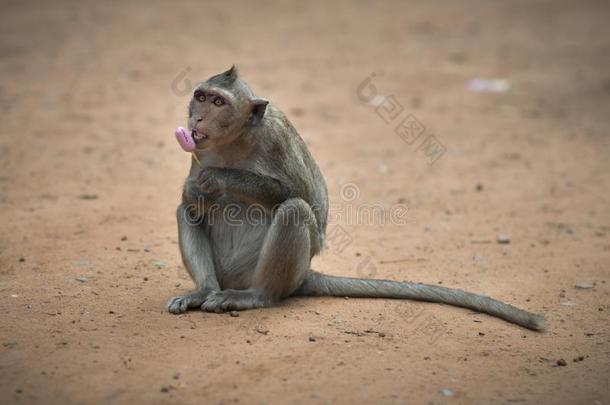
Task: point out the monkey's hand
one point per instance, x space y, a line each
195 195
212 181
244 185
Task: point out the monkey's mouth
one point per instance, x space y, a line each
198 137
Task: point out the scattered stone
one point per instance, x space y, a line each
262 331
124 238
479 187
234 314
446 392
145 279
166 388
81 279
503 239
176 376
88 196
579 358
22 259
481 334
584 286
545 360
562 363
159 264
312 339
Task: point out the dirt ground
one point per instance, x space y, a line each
90 176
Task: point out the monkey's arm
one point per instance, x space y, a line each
196 253
244 185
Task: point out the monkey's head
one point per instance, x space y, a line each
222 109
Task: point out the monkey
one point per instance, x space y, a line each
248 155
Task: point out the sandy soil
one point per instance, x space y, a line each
90 177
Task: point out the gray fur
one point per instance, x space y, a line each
253 157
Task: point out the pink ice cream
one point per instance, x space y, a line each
185 139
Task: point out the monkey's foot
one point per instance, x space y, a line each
178 305
232 300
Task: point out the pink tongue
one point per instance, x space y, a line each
185 139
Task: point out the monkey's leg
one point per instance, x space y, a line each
197 258
283 264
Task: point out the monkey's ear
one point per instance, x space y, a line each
232 73
259 106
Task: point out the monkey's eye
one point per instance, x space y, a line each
218 102
200 97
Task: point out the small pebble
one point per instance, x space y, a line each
562 363
503 239
312 339
262 331
22 259
446 392
234 314
166 388
583 286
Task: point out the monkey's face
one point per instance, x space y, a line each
222 109
216 116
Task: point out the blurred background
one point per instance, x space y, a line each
487 119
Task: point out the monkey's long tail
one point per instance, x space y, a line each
317 284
